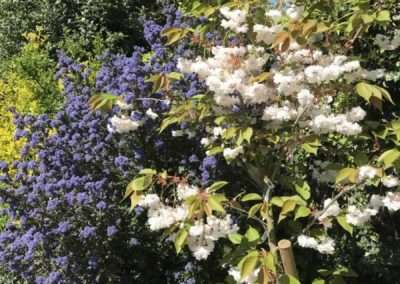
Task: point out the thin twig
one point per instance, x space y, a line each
334 199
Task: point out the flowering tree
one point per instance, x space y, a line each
245 124
282 99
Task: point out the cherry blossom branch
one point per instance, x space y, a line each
334 199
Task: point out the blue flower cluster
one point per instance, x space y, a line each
67 222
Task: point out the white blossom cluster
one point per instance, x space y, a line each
231 74
329 211
202 235
252 278
235 20
324 246
385 43
124 123
358 217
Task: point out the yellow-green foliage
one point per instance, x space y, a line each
15 92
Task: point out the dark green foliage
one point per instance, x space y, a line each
116 21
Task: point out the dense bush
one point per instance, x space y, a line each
34 64
68 225
115 21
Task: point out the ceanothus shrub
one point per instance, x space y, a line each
68 224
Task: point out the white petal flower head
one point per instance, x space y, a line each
236 20
390 181
357 217
235 273
203 251
375 202
231 154
124 124
151 114
305 98
295 12
392 201
205 141
177 133
327 246
307 242
123 105
196 230
367 172
275 15
331 211
356 114
184 191
150 200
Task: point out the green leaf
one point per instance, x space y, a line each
324 272
249 264
167 122
309 148
288 206
367 18
345 272
252 234
247 134
389 157
373 94
217 186
302 211
277 201
213 151
219 120
220 197
364 90
251 196
141 183
383 16
175 75
361 159
269 261
288 279
215 204
254 209
344 174
318 281
338 280
235 238
304 190
147 172
180 240
342 222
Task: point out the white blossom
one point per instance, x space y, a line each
151 114
123 124
307 242
184 191
356 114
392 201
366 172
231 154
390 181
331 211
327 246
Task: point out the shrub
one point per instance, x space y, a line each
116 22
67 224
